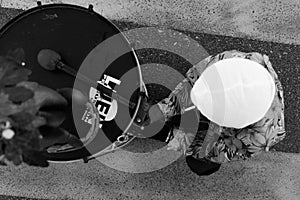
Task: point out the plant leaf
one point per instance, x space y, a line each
19 94
6 106
17 55
12 73
35 158
22 118
15 76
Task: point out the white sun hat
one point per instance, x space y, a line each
234 92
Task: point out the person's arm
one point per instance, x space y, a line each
179 99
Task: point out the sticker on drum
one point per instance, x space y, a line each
107 108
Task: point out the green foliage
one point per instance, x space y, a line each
16 109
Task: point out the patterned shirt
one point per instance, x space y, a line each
221 144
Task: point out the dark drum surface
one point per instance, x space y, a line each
73 32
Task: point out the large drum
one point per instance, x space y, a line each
77 33
95 49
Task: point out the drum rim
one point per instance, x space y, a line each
30 11
52 157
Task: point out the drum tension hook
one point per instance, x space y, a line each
39 3
86 159
122 138
91 7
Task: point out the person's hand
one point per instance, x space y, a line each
152 114
155 114
142 117
181 141
148 112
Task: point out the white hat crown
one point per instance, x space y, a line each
234 92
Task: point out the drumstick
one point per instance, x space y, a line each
51 60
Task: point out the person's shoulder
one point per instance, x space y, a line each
194 72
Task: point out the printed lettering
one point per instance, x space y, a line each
101 99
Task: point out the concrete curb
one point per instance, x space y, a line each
272 20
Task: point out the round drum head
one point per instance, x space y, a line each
76 34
